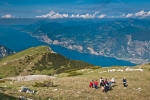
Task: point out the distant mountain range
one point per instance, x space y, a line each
12 37
4 51
127 40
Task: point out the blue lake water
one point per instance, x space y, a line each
18 41
93 59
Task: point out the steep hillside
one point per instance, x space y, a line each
4 51
38 60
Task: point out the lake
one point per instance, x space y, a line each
18 41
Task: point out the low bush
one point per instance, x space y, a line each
2 81
47 83
74 74
69 71
1 76
95 67
37 84
29 70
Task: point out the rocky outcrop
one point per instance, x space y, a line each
4 51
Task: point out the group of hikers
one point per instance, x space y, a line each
106 85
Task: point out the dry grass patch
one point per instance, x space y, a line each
77 87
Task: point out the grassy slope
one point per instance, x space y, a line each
19 63
37 60
76 88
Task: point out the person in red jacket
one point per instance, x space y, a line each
95 84
91 84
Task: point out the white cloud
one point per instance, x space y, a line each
102 16
82 16
96 13
85 16
129 15
53 15
8 16
148 14
113 16
123 15
141 13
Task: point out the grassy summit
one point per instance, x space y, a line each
38 60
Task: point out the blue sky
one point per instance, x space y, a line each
54 9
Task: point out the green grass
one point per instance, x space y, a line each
76 87
38 60
19 63
24 53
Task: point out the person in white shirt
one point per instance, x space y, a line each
113 80
100 80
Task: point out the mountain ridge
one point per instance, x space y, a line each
38 60
104 39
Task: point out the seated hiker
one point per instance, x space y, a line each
95 84
105 80
102 85
91 84
110 85
113 80
100 80
124 82
24 89
106 88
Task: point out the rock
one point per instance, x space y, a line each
22 98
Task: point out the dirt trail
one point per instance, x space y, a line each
30 77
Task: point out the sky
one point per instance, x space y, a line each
86 9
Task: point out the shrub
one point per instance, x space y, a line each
29 59
16 73
68 71
1 76
95 67
2 81
37 84
33 68
20 70
47 83
29 70
74 74
50 74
